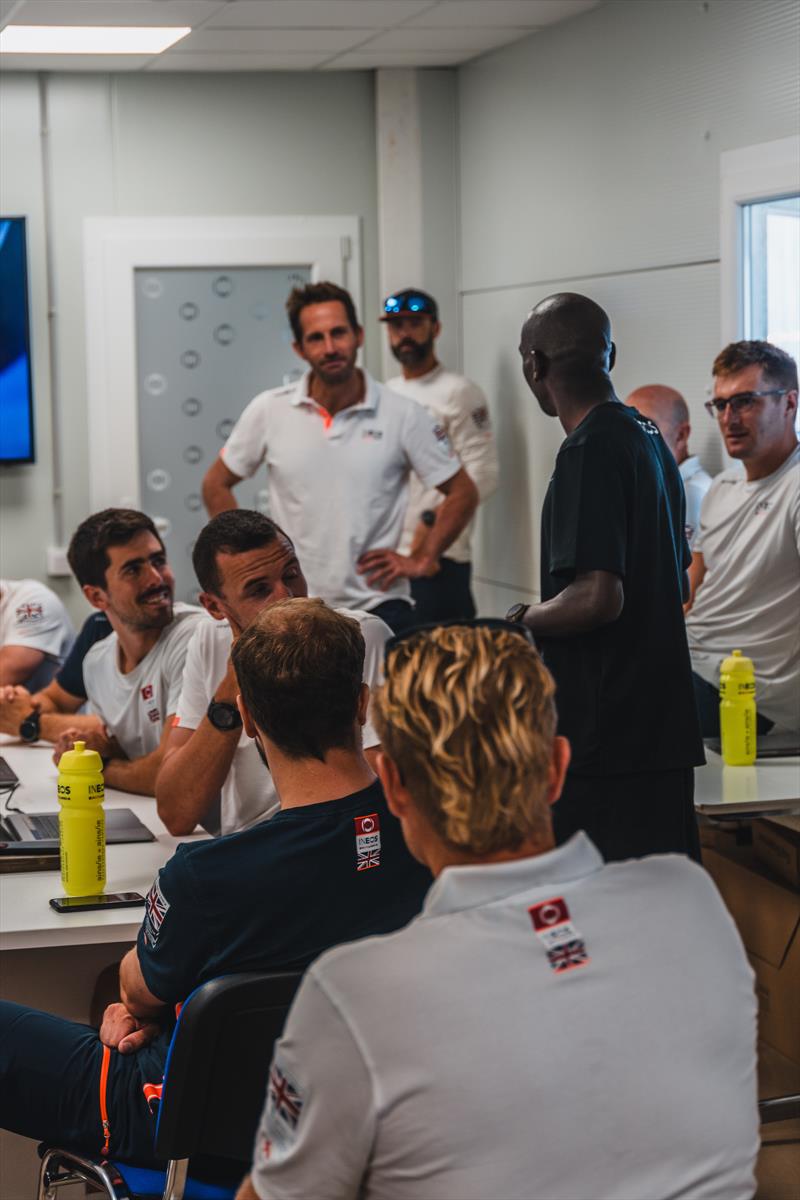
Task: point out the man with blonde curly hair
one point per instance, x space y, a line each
549 1026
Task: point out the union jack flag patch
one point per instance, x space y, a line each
571 954
368 842
561 941
156 908
284 1099
29 612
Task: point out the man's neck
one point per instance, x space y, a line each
438 855
336 397
769 463
417 370
134 644
574 406
304 781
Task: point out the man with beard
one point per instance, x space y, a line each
133 677
339 449
613 581
459 408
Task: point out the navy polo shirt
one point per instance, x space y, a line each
278 894
70 676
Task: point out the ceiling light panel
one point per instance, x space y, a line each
85 39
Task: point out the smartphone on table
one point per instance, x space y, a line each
68 904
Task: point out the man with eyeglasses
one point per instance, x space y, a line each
340 449
459 407
745 573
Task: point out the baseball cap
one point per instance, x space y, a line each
409 301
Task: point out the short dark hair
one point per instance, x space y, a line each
88 550
300 666
777 365
318 293
233 532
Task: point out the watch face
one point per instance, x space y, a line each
29 729
516 612
224 716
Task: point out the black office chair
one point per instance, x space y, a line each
214 1088
779 1108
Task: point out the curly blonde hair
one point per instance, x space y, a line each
468 716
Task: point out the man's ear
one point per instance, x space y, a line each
363 704
97 596
247 720
298 349
213 606
612 356
437 329
397 795
539 364
359 336
559 761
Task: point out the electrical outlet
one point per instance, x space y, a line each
57 565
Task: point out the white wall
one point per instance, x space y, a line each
589 161
162 145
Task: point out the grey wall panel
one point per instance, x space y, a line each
664 325
594 146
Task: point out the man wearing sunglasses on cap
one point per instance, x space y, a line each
459 408
745 573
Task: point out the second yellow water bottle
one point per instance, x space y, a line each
737 710
82 821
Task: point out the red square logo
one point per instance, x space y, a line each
548 913
147 692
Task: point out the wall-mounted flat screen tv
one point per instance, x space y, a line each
16 400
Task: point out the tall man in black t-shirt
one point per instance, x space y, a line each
613 582
331 866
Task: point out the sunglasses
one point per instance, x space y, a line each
458 623
740 403
393 306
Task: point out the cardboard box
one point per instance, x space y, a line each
767 914
777 845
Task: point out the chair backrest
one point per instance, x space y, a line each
219 1058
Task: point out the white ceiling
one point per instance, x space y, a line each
293 35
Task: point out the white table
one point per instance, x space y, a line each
26 919
770 786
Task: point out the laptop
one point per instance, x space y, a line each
36 833
768 745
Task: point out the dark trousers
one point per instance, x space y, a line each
398 614
629 816
50 1087
444 595
707 698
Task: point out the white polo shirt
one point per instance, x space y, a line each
696 483
749 599
460 407
33 616
248 793
338 486
134 706
551 1028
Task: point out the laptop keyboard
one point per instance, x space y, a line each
44 827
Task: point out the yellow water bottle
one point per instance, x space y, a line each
82 821
737 710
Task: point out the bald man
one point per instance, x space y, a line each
613 582
667 409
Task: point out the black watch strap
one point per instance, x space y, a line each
224 716
30 726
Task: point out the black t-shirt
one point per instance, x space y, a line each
624 691
278 894
70 676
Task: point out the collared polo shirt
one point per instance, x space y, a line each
550 1027
33 617
338 485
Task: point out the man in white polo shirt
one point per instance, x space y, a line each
668 410
460 408
132 677
549 1026
745 572
243 563
339 450
35 633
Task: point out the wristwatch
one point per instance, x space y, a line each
516 613
29 728
224 716
428 517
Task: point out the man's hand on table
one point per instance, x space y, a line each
94 739
16 703
123 1032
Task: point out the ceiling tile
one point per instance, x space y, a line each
236 62
493 13
304 14
297 41
116 12
357 60
10 10
471 40
75 62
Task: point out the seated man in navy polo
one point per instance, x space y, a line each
329 867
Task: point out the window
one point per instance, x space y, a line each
770 265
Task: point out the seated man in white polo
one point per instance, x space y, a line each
549 1026
244 563
35 633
